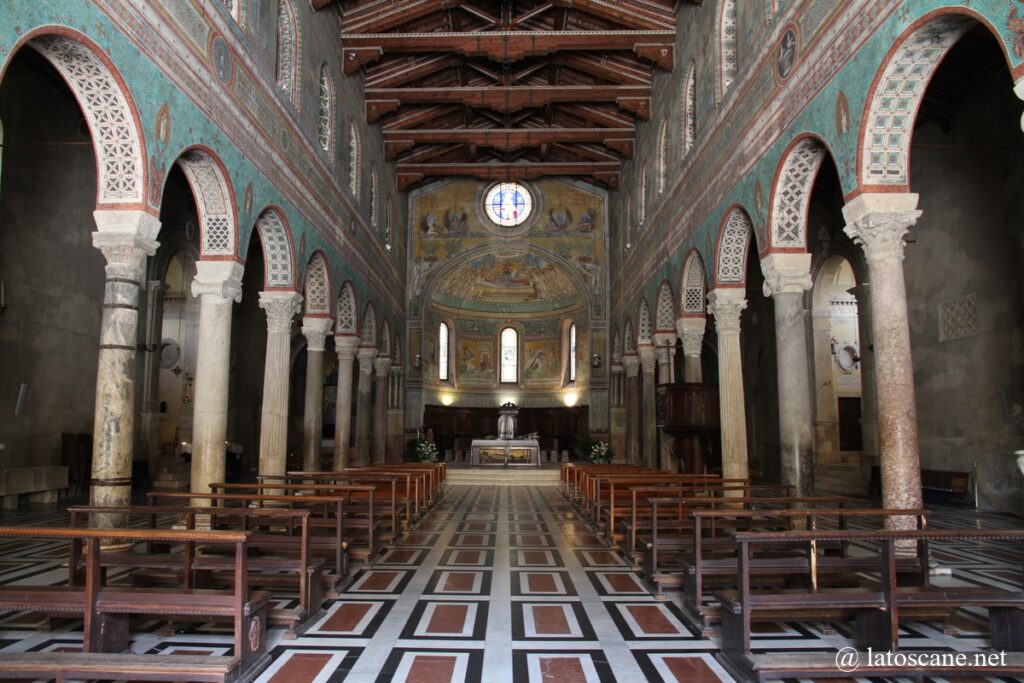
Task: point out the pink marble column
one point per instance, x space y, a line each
382 374
879 222
649 456
726 304
366 356
631 362
126 238
315 330
346 346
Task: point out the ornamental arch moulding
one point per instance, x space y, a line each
891 105
368 327
666 309
628 339
109 111
278 255
347 318
645 326
693 285
384 340
791 194
317 289
215 203
733 246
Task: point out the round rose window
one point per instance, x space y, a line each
508 204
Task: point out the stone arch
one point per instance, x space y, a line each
645 326
384 339
689 131
791 193
891 105
665 308
278 255
733 246
692 286
628 339
346 318
109 110
317 289
725 41
215 202
368 326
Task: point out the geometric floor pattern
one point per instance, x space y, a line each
503 584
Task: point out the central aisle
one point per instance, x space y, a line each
503 584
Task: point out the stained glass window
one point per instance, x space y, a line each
508 204
572 352
509 355
442 352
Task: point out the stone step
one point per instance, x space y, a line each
500 476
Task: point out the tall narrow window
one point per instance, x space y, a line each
728 64
325 128
374 200
641 200
572 352
288 50
509 355
354 154
662 156
442 352
690 109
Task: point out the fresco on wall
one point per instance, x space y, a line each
540 359
520 283
476 359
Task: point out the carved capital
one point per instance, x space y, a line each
648 358
631 363
381 365
281 307
366 356
691 329
726 304
879 223
315 330
218 279
126 238
346 345
786 273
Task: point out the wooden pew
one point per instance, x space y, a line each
714 556
876 609
290 565
329 514
408 495
106 611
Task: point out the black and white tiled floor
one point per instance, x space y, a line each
502 584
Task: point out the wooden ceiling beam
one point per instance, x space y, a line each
508 139
604 68
603 172
635 15
632 98
420 116
388 14
402 71
507 46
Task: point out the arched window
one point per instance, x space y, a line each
374 199
442 352
325 127
509 355
641 201
662 155
572 352
689 109
627 219
728 63
388 217
288 50
354 154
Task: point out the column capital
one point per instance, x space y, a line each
381 365
346 345
315 330
663 339
691 329
281 307
366 355
726 304
126 238
648 358
631 363
879 221
220 279
617 368
127 222
786 273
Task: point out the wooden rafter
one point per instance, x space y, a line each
605 172
507 139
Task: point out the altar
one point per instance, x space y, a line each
501 452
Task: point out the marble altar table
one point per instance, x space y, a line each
493 452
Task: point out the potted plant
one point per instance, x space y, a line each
426 451
600 454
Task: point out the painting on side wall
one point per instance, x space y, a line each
476 359
540 360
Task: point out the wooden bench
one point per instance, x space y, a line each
291 565
329 514
106 611
876 609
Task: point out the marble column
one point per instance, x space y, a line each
150 430
396 415
218 285
382 370
691 329
879 222
366 356
650 456
315 329
631 363
346 346
618 412
281 308
726 304
126 238
787 277
869 398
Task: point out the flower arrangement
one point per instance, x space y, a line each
426 451
600 454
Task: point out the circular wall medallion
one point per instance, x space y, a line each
508 204
221 58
